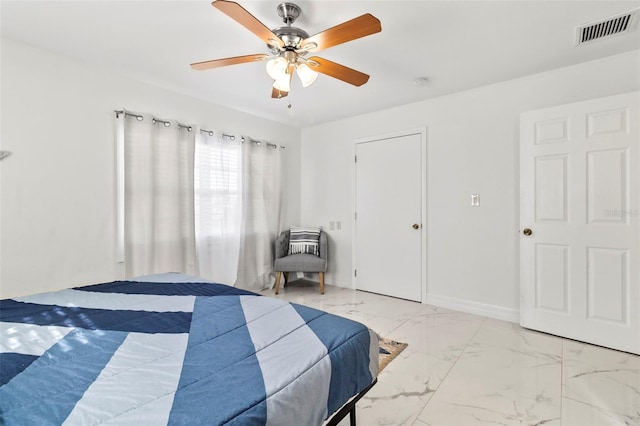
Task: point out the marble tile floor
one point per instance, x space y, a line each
464 369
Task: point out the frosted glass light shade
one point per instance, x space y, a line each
277 67
306 74
282 83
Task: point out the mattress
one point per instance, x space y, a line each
174 349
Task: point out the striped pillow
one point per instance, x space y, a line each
304 240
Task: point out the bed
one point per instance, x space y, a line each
174 349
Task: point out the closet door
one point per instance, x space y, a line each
388 219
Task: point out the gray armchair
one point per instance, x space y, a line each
285 263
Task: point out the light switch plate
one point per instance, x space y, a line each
475 200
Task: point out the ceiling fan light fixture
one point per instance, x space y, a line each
283 83
306 74
277 67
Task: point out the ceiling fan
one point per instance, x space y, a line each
289 47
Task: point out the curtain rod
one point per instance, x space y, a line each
166 123
270 145
154 120
233 138
224 135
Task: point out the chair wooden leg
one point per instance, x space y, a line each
277 288
321 282
286 278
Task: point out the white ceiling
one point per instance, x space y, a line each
456 45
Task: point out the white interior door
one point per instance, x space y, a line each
388 222
580 190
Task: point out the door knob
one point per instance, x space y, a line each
415 226
527 231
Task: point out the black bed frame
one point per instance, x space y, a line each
350 408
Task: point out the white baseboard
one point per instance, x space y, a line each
339 282
328 280
471 307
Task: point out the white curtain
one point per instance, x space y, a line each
261 214
218 206
199 203
159 202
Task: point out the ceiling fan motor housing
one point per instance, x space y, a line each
291 36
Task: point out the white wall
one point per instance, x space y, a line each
472 140
57 189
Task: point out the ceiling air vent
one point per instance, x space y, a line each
618 24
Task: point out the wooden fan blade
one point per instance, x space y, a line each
338 71
216 63
277 94
239 14
356 28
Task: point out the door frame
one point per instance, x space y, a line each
422 131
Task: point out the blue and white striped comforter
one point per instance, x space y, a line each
134 352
